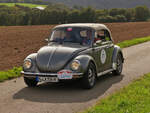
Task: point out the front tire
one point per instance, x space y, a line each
119 67
30 82
89 78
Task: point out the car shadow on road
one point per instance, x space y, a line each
70 92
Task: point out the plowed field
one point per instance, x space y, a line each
16 42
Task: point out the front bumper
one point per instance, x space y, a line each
33 75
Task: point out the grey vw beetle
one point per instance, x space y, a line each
74 51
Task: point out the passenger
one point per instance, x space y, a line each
67 36
87 40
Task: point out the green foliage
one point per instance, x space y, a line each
13 73
142 13
87 15
121 18
74 16
104 19
135 98
115 11
130 15
19 14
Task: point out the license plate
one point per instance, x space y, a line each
47 79
64 74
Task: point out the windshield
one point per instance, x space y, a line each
72 35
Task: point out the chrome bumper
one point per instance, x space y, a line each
30 74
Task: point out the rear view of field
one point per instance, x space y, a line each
16 42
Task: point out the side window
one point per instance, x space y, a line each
103 35
107 36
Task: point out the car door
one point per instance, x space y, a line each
109 46
99 51
104 48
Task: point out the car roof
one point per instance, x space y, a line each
95 26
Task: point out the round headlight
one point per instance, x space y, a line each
27 64
75 65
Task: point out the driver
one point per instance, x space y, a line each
65 38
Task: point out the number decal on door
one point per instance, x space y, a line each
103 56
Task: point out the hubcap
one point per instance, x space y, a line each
91 77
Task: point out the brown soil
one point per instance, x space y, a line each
16 42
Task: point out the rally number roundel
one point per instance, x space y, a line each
103 56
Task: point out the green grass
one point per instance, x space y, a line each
134 98
132 42
13 73
23 4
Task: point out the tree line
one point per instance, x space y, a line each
59 13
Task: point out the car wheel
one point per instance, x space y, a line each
119 67
89 78
30 82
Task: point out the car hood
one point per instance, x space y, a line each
54 58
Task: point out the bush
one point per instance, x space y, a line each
120 18
106 19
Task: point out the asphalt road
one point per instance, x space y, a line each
15 97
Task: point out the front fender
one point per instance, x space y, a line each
85 60
116 51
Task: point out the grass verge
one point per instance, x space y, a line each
132 42
134 98
13 73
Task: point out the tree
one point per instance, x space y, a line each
130 14
87 15
141 13
117 11
74 16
